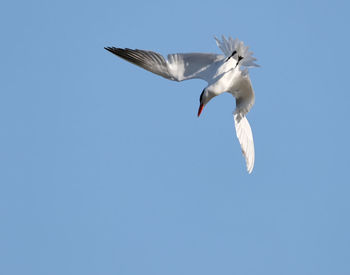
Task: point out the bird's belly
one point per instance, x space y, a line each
223 84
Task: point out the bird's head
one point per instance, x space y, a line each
205 97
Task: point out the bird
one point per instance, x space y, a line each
224 73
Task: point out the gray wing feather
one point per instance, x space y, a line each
178 67
185 66
148 60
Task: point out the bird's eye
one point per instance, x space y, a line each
200 98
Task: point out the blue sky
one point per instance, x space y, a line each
105 168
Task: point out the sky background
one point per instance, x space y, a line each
106 169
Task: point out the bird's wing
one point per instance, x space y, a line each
244 102
148 60
183 66
178 67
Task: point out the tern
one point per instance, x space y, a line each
223 73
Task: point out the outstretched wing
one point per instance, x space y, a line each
244 102
178 67
183 66
148 60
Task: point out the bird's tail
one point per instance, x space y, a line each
228 46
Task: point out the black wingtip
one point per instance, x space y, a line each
110 49
113 50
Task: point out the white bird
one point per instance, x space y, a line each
223 73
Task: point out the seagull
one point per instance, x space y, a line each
223 73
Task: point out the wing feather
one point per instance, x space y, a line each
185 66
245 138
178 67
244 102
148 60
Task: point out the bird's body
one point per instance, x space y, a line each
223 73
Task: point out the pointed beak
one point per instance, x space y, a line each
201 106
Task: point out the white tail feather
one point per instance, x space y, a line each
229 45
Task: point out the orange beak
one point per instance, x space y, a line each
201 106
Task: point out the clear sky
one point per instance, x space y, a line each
106 169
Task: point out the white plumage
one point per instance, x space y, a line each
223 73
